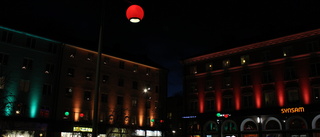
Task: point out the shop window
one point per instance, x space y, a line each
297 123
249 126
212 127
272 125
229 126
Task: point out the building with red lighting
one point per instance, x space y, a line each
47 89
268 89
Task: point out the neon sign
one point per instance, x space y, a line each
292 110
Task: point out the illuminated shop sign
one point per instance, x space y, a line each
292 110
82 129
189 117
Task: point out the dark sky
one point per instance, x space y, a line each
171 29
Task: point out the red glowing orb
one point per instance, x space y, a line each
226 115
135 13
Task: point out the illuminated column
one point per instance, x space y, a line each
218 83
256 81
236 81
201 96
303 74
278 76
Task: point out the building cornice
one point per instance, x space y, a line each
254 46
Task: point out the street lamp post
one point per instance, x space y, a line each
135 14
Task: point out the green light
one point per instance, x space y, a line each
66 113
218 114
152 120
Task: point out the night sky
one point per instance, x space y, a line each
171 30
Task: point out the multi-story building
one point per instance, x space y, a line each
29 67
268 89
130 94
48 87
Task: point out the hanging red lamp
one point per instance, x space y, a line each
135 13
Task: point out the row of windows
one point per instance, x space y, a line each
245 59
269 99
27 64
106 60
267 77
30 42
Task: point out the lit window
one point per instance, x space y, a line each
226 63
244 59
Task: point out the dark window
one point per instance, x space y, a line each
227 102
267 76
87 95
3 59
119 100
73 53
47 89
90 56
106 60
135 68
49 69
315 69
316 93
89 76
148 70
121 64
104 98
6 36
27 64
135 85
70 72
69 92
209 105
209 85
105 78
293 95
246 79
24 85
31 43
269 98
52 48
289 73
266 55
287 51
121 82
313 46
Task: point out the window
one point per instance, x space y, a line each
227 82
120 100
135 68
313 46
316 93
89 76
193 87
31 43
89 56
269 98
70 72
209 105
226 63
134 85
287 51
121 64
244 60
2 82
193 106
209 67
104 98
52 48
27 64
105 78
293 95
266 55
106 60
6 36
267 76
24 85
209 85
69 92
87 95
148 71
315 69
73 53
193 70
49 69
47 89
134 102
247 100
121 82
157 89
246 79
44 112
227 102
3 59
289 73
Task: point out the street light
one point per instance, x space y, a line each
135 14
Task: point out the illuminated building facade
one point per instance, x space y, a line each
268 89
29 66
47 89
130 93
